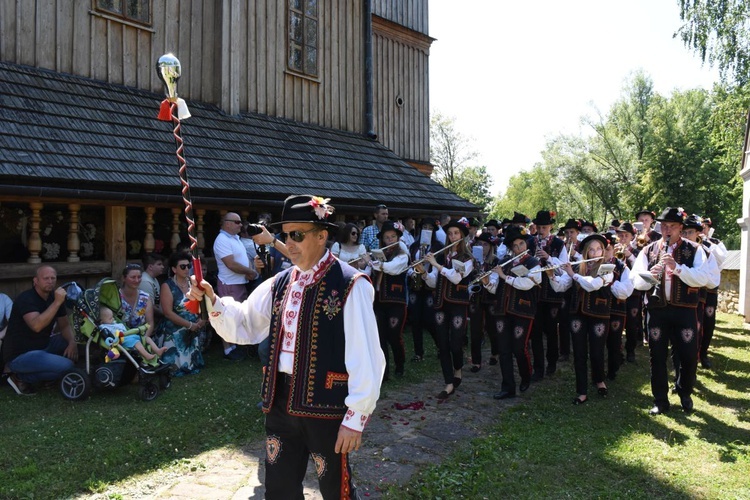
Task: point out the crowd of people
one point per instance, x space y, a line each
327 303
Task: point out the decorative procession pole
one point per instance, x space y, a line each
173 109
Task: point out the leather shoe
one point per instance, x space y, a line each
475 368
657 410
444 395
705 362
603 391
687 403
578 401
503 395
493 361
456 382
524 386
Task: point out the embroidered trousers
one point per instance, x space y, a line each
545 325
421 316
617 323
709 323
513 333
479 319
450 327
391 319
589 336
634 324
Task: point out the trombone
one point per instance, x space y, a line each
437 252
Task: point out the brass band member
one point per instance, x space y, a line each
514 311
677 267
550 251
390 295
451 283
634 304
421 309
588 310
622 288
572 230
479 318
716 249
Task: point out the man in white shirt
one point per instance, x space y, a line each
153 267
326 365
234 269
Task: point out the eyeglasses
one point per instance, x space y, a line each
185 266
235 221
299 236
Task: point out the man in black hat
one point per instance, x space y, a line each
326 365
716 249
550 251
677 268
634 303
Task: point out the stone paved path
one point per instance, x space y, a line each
396 443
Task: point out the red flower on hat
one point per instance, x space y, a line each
552 213
321 207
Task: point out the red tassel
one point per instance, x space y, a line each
193 306
165 111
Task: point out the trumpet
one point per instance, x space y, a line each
476 284
437 252
370 253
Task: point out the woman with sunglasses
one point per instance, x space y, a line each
451 283
390 295
137 308
181 331
348 248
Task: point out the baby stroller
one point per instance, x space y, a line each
108 364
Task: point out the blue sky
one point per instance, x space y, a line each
516 73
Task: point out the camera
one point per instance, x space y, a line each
254 229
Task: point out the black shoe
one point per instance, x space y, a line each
493 361
504 395
658 410
551 369
675 389
603 391
236 354
475 368
687 403
578 401
563 357
444 395
21 387
456 382
417 358
631 357
536 377
524 386
705 362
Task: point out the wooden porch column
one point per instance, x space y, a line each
200 213
175 229
115 247
148 240
74 242
35 241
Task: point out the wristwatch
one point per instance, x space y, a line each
273 243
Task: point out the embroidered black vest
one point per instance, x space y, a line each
393 288
523 303
708 243
320 380
682 295
597 304
619 307
446 291
554 248
484 297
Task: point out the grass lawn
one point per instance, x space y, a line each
545 447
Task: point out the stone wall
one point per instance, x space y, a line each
729 291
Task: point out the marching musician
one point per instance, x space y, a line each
589 309
390 295
622 288
493 227
421 309
451 283
480 303
514 310
572 230
634 303
715 248
677 267
647 234
550 251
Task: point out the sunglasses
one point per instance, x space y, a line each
235 221
355 233
299 236
185 266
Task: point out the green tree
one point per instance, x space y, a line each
719 32
450 154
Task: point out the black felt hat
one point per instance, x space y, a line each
589 224
693 222
307 208
512 234
626 227
596 236
460 225
544 218
493 223
672 214
572 224
390 225
487 238
646 211
519 218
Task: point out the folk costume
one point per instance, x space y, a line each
621 288
634 302
672 310
390 298
325 364
550 302
716 250
421 307
588 317
571 250
513 311
479 308
451 286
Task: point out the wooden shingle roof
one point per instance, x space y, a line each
66 135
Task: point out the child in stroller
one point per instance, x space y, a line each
119 332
